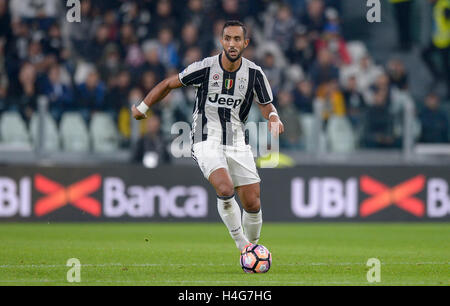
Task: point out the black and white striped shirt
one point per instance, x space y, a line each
223 99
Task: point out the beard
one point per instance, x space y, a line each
231 59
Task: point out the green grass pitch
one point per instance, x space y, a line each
204 254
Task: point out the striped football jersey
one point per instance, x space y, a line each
223 99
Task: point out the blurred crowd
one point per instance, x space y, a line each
121 49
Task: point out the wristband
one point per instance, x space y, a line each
143 108
273 114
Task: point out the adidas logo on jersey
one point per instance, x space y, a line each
221 100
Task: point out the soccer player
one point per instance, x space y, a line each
226 86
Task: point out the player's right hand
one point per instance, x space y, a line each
137 114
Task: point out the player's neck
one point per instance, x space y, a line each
228 65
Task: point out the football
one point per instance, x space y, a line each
256 259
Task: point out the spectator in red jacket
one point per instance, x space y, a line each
332 40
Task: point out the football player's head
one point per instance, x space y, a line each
234 39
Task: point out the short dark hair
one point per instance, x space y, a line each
233 23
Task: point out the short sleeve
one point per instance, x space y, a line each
263 92
194 74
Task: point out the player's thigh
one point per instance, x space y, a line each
212 162
209 157
250 196
242 167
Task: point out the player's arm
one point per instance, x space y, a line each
155 95
264 98
270 113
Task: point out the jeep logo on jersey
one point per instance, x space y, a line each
222 100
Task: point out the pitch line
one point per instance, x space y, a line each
213 264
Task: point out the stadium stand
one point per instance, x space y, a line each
123 47
51 141
14 130
74 133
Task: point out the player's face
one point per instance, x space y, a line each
234 42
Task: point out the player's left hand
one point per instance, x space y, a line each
276 127
137 114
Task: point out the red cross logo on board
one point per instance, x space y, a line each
384 196
59 196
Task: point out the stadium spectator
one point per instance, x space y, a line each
91 95
195 14
53 44
273 72
324 69
331 96
36 56
333 42
304 96
80 33
217 35
366 73
151 149
231 10
297 6
59 94
379 124
397 73
110 21
440 44
4 82
5 21
189 38
24 93
94 50
30 9
281 28
138 15
118 94
127 39
192 54
301 50
381 83
434 121
314 18
152 60
355 104
110 64
167 48
291 120
164 18
403 17
124 117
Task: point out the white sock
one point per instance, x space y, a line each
230 212
252 223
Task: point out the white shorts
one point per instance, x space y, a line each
238 161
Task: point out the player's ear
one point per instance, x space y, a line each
246 42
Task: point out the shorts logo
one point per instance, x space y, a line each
75 194
228 83
400 195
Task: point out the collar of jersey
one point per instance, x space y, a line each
229 72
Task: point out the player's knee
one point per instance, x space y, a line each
253 204
225 190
